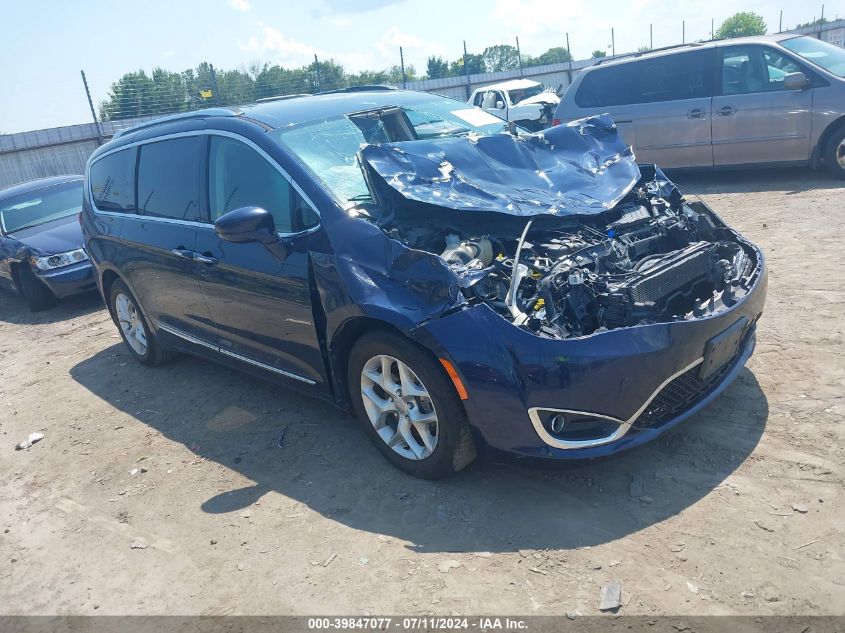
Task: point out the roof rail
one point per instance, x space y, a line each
364 88
195 114
653 50
282 97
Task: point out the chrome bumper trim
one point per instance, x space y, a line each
624 425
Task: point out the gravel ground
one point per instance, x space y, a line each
193 489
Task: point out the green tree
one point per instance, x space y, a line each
500 57
556 55
475 64
437 67
598 53
742 24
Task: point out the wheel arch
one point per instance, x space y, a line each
828 133
342 341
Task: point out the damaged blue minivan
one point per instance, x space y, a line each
454 282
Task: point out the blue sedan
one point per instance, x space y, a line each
41 252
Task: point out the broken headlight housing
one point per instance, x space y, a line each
49 262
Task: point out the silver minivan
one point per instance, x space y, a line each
776 99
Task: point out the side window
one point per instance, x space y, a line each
169 176
752 69
777 67
112 181
605 87
478 99
673 77
240 177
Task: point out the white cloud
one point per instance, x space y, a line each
240 5
282 50
388 45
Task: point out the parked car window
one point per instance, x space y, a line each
241 177
113 182
169 176
40 206
672 77
823 54
604 87
754 69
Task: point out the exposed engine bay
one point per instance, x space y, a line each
562 232
648 260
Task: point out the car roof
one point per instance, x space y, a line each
693 46
512 84
294 109
35 185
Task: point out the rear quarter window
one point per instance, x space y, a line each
112 181
605 87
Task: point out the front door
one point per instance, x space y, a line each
160 239
260 296
755 119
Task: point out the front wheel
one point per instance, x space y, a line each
408 406
133 327
37 296
834 155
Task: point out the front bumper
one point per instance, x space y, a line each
618 375
69 280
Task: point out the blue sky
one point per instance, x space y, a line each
46 43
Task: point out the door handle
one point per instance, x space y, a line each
184 253
727 110
696 113
205 259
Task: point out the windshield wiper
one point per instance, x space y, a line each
361 197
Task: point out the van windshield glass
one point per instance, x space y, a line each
328 147
828 56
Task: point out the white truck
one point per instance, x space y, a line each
522 101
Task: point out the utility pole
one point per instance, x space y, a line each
613 43
91 105
402 66
466 69
821 23
683 31
317 71
651 37
519 56
713 29
780 22
214 84
569 72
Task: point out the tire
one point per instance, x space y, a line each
450 445
37 296
134 331
834 153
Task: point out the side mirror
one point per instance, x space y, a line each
247 224
795 81
500 105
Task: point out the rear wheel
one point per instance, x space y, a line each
133 327
37 296
408 406
834 155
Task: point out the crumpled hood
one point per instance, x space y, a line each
582 168
57 236
543 97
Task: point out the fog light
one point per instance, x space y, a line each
556 423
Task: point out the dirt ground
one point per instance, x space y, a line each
739 511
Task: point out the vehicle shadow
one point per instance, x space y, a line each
308 451
789 180
13 308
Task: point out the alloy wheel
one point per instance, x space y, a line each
130 324
399 407
840 153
